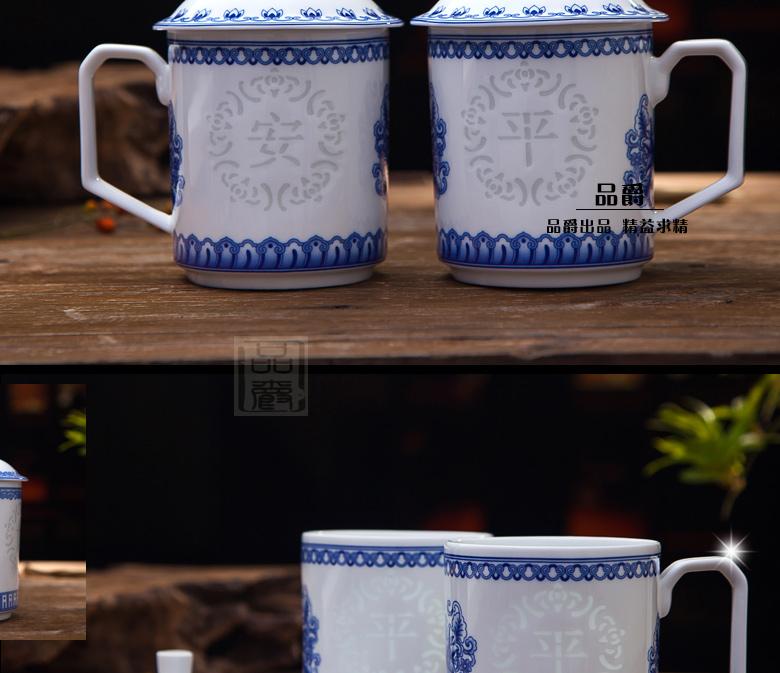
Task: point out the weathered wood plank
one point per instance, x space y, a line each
70 295
52 606
234 619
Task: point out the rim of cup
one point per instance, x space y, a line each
553 547
387 538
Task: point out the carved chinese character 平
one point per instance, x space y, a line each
534 107
585 636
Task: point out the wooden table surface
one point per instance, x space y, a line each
70 295
51 607
235 620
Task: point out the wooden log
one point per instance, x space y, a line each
39 133
235 620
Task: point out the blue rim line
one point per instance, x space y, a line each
276 271
514 559
507 36
539 267
196 43
332 547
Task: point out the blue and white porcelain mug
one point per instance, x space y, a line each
535 111
10 526
580 604
279 137
373 601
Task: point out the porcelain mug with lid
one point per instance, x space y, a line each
10 523
279 136
586 604
542 124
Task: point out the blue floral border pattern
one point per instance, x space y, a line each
310 16
639 150
461 647
441 168
10 493
537 570
536 13
11 475
373 557
177 152
292 53
311 627
382 145
526 251
9 600
272 255
654 653
538 46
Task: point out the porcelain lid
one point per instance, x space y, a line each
8 473
226 14
505 13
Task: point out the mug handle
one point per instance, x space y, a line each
739 596
90 177
658 87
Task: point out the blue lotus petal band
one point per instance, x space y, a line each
272 255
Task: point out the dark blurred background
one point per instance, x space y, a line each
180 479
691 124
54 498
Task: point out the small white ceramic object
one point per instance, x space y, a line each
373 601
279 138
10 522
533 107
541 604
174 661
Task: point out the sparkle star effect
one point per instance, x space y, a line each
733 549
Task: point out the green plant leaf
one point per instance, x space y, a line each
75 425
716 445
695 475
659 464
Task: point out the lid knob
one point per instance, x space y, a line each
174 661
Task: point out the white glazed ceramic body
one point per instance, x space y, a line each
560 605
280 171
10 521
174 661
527 121
278 153
373 601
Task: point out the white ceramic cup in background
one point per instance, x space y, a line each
174 661
373 601
532 109
540 604
279 137
10 527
